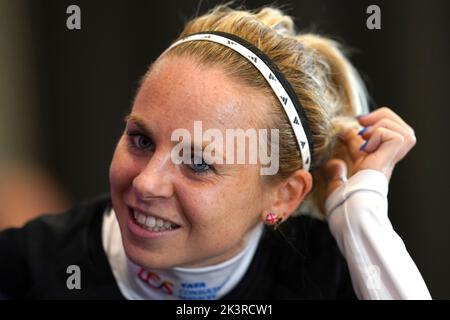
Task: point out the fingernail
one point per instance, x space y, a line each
362 131
363 145
360 116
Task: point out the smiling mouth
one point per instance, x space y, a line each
151 223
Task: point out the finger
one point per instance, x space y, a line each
352 141
380 113
388 124
336 173
389 145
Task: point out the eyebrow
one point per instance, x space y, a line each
140 123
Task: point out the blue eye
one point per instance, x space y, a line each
142 142
201 168
139 141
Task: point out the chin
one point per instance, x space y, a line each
148 258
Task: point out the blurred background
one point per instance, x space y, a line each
64 93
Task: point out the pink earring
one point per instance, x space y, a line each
273 219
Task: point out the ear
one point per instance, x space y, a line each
288 194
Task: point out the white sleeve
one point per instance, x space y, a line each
379 264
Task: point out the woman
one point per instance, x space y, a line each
185 225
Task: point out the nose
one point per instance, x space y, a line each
155 180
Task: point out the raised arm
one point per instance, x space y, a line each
357 209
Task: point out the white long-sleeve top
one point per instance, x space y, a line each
379 264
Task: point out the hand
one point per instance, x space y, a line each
386 140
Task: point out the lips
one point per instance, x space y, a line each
149 222
152 223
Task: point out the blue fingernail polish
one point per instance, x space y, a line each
362 131
363 145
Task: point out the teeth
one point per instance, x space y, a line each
152 223
141 219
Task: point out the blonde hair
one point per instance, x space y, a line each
327 85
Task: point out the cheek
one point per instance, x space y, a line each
122 170
229 206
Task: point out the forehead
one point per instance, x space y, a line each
178 91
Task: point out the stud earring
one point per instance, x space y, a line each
273 219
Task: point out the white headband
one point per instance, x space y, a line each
274 78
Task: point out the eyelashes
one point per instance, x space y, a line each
141 144
201 168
